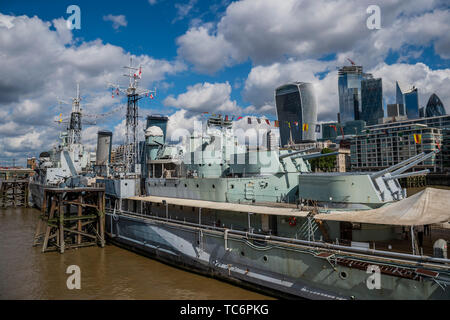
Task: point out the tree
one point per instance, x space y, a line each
325 164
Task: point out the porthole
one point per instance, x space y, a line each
265 258
185 185
343 275
232 186
213 186
242 253
197 185
209 164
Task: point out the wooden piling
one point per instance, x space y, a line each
14 187
75 219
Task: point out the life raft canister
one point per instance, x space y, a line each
292 221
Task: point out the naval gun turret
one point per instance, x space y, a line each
360 190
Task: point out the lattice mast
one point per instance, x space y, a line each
74 121
74 126
134 94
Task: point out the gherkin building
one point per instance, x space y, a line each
434 107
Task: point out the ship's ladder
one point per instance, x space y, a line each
307 230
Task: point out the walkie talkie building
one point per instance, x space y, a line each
297 112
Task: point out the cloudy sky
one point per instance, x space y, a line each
203 55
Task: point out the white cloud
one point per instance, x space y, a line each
262 81
181 124
35 73
118 21
183 9
268 31
208 52
205 97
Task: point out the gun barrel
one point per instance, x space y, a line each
294 153
316 155
412 164
396 166
409 174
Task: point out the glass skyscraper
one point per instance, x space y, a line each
399 94
349 88
296 106
411 98
434 107
371 100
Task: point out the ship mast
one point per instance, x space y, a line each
74 127
134 94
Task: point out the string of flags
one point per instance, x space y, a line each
275 123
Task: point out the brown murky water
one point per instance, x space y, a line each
108 273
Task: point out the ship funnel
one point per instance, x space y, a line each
103 156
104 145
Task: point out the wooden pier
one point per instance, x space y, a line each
14 187
71 218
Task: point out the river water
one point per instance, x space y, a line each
106 273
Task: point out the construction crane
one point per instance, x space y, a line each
351 61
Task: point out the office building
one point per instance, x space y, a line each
411 99
395 110
398 94
349 89
434 107
297 112
422 112
332 130
381 147
371 100
439 122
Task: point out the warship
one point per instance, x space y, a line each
259 217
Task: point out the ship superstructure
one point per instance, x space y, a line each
213 166
67 159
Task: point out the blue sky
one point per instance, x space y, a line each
217 56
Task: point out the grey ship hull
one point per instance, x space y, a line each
274 267
37 194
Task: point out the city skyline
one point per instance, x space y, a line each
43 59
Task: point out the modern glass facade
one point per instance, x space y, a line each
395 110
382 146
440 122
296 105
371 100
412 103
434 107
398 94
333 129
349 89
